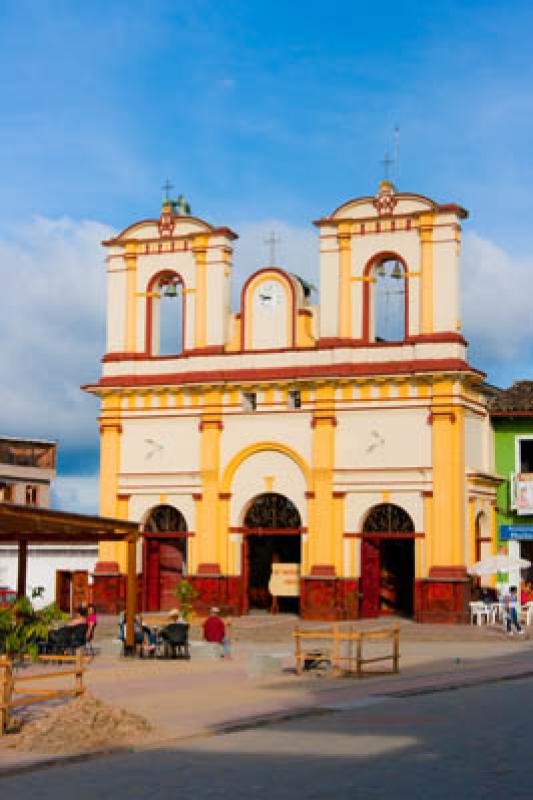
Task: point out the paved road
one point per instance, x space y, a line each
469 743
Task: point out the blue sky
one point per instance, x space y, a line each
262 114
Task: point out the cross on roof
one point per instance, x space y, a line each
272 240
387 162
167 186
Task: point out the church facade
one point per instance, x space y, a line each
345 434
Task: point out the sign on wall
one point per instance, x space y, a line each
285 580
514 532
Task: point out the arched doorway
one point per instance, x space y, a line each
387 562
272 534
164 557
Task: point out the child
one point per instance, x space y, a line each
511 607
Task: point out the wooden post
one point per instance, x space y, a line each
335 649
131 596
22 567
396 650
79 672
359 654
297 650
6 695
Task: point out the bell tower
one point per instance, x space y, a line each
177 256
402 236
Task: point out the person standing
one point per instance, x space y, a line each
511 607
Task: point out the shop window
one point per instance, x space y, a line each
7 493
32 495
525 456
295 399
249 401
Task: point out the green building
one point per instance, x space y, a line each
511 413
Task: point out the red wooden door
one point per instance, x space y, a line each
370 577
80 589
63 578
152 575
170 572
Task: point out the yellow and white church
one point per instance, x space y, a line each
344 435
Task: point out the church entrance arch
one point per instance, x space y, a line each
271 534
164 557
387 562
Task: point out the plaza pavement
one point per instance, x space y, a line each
190 700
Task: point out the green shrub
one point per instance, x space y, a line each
186 594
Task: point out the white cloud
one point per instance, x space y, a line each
52 328
496 302
78 493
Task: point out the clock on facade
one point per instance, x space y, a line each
270 295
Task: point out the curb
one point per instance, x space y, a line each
252 723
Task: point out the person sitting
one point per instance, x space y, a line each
175 635
143 635
79 617
215 631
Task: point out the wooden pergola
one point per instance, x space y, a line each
25 525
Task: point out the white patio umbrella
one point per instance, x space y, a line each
498 563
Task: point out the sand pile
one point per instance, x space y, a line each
81 724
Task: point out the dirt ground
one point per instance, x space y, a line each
81 724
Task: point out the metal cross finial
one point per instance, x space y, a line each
387 162
166 188
272 240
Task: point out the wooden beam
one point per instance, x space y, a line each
131 595
22 567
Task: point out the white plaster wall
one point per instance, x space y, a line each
116 306
42 565
217 305
383 438
474 444
249 482
445 280
329 284
178 435
291 429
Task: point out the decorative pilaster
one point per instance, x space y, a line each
110 433
130 259
426 284
344 240
209 511
321 510
199 249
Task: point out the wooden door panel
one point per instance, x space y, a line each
80 589
370 578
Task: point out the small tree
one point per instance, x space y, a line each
186 594
27 627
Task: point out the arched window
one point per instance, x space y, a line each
387 316
166 315
163 519
388 518
271 510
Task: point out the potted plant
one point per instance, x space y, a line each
186 594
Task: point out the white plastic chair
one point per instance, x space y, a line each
479 613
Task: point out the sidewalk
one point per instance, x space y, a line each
204 697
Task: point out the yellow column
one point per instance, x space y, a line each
426 273
472 528
448 529
210 548
345 285
199 249
110 431
321 522
130 257
338 532
422 570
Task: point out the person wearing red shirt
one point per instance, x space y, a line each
215 631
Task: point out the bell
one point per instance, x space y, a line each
397 271
170 290
380 270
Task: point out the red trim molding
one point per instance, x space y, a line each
207 423
323 571
209 569
433 414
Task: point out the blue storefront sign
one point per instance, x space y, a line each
514 532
